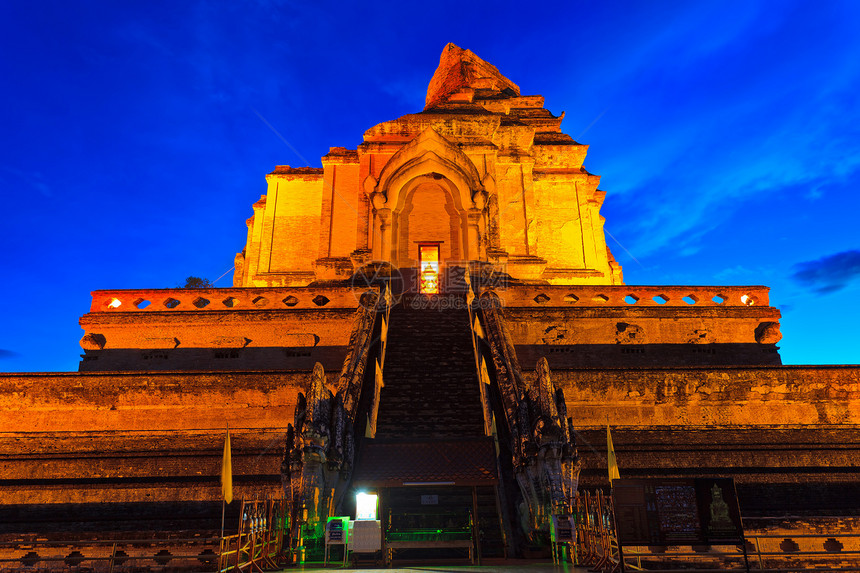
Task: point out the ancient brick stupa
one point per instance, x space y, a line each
434 316
482 174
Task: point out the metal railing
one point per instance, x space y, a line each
596 546
259 544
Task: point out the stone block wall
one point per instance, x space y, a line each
230 329
816 396
616 326
283 234
148 401
137 452
789 436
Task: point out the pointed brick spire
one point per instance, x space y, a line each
460 73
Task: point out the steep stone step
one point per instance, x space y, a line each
431 391
431 387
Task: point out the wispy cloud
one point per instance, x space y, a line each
35 180
6 354
728 122
712 166
829 274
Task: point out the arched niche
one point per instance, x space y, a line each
429 153
455 183
428 212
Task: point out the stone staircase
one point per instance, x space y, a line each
431 387
431 392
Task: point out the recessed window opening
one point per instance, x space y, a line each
428 268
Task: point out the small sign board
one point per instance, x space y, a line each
563 529
337 531
429 500
701 511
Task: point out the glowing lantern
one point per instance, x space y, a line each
365 505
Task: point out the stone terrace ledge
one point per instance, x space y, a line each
148 401
224 299
630 295
714 396
238 299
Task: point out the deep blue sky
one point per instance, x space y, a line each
133 140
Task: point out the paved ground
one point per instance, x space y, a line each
492 566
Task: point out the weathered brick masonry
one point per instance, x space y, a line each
689 377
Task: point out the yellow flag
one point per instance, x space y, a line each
227 472
610 453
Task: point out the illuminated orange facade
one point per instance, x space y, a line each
484 171
312 349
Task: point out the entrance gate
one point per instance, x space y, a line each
428 268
